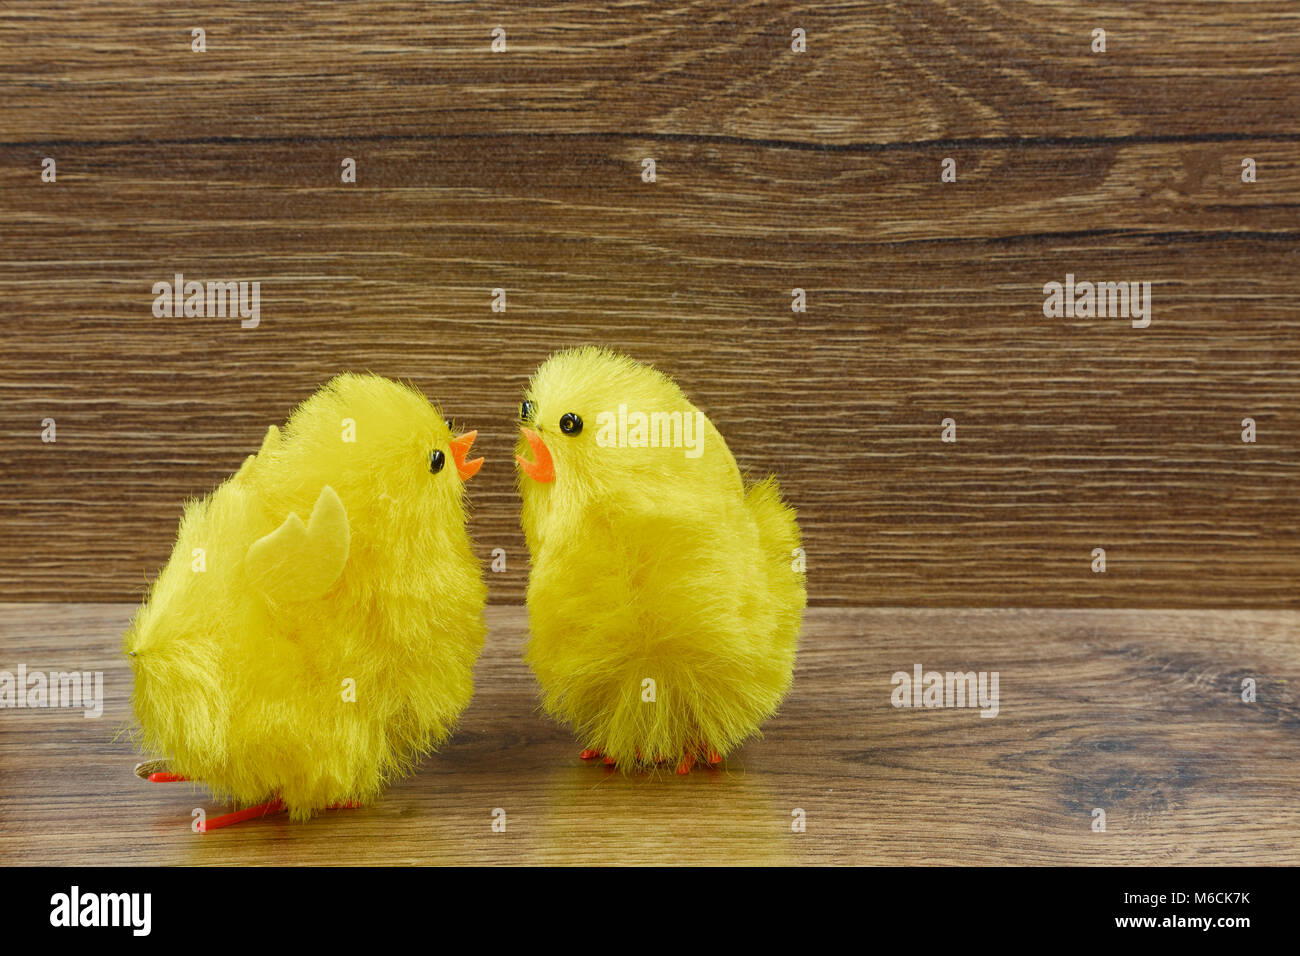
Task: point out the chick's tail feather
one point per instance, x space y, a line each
780 541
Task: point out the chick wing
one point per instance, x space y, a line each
300 562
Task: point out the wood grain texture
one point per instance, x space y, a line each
874 72
522 171
1135 712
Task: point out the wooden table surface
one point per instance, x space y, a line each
1138 713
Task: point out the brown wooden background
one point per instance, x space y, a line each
522 170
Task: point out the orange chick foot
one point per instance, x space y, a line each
688 762
589 755
252 813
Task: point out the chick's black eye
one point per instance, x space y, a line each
526 411
570 424
436 460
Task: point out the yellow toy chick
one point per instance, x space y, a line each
315 630
665 595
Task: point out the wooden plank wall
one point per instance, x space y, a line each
775 170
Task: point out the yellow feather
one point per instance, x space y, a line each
664 602
315 661
299 562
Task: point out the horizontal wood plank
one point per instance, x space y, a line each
924 301
873 72
521 170
1137 713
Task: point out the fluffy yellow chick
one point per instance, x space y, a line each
665 595
315 630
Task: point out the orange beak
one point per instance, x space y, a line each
460 446
541 468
